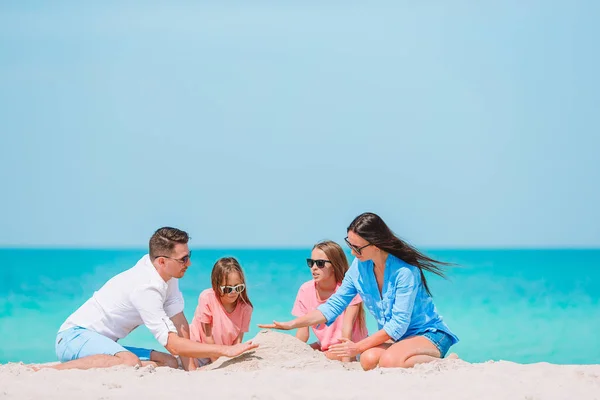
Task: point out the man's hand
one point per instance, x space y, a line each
346 348
284 326
238 349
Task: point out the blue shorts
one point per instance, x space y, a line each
78 342
441 340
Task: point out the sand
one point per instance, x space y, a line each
284 368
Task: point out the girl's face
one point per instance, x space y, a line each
321 274
233 280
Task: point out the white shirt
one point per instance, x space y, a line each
132 298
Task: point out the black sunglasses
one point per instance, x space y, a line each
320 263
182 260
356 248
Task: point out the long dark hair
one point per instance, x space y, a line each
371 227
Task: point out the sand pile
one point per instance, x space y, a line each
279 351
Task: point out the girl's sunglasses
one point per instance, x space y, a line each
320 263
230 289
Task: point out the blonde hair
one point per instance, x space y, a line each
339 261
223 267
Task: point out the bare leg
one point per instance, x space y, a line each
100 361
370 358
163 359
409 352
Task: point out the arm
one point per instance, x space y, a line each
348 349
303 334
312 318
348 324
184 347
239 338
183 330
349 320
208 338
339 301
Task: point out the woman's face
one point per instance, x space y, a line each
321 274
367 250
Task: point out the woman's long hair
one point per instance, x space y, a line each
371 227
338 260
220 270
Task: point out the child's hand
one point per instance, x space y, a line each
238 349
284 326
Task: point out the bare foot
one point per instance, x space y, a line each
452 356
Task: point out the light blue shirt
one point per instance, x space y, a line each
402 309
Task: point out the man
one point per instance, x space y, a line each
146 294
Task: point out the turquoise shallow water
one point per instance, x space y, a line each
519 305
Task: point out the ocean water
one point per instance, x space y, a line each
520 305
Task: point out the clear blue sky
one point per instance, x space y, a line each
462 123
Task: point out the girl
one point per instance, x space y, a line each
388 275
224 311
328 265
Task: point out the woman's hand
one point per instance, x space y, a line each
284 326
346 348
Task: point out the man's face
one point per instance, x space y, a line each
178 261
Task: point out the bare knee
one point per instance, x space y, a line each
128 358
369 359
389 360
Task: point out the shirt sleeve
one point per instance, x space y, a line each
204 311
174 303
246 319
339 301
149 303
299 308
404 301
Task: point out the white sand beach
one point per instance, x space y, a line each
285 368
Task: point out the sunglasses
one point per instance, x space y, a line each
320 263
231 289
182 260
356 248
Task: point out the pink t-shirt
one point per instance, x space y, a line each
226 327
307 301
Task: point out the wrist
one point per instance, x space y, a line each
360 347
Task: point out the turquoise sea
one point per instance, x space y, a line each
519 305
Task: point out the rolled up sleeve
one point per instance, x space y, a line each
174 303
337 303
404 301
149 303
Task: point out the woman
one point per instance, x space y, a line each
388 275
328 265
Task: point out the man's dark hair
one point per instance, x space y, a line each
164 240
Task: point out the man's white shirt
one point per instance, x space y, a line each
138 296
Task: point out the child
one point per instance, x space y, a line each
224 311
328 265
